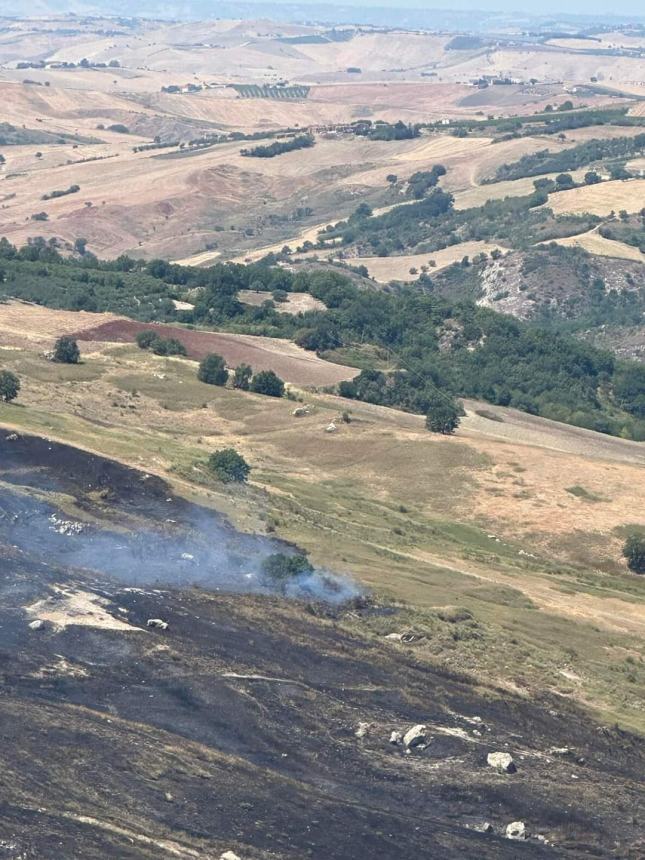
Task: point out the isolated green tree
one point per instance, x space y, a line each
267 382
564 180
212 369
443 415
592 178
66 350
9 386
634 552
229 466
279 568
242 376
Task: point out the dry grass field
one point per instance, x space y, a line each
295 303
205 204
593 242
384 269
515 518
601 199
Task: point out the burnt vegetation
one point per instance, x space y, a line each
225 730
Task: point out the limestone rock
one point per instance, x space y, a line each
501 761
516 830
415 736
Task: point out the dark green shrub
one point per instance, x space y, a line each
9 386
634 552
267 382
229 466
443 415
66 350
279 568
242 376
146 338
212 370
167 346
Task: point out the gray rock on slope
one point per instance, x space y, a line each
501 761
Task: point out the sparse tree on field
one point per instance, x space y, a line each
443 415
267 382
229 466
564 180
66 350
212 370
9 386
242 376
634 552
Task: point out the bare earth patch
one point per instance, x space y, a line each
289 361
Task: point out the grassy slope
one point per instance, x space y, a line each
421 519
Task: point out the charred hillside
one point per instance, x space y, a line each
256 724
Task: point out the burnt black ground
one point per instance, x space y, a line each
111 738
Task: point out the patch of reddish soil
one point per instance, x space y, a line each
289 361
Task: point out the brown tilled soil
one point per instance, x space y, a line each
262 353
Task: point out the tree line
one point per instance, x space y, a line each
491 356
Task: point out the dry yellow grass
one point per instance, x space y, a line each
601 199
479 194
295 303
597 244
384 269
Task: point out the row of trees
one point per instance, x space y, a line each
212 370
279 147
572 158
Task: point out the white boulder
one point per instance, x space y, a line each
502 762
416 736
516 830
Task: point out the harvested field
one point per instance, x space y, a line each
601 199
479 194
593 242
24 324
385 269
289 361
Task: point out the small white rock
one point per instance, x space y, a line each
396 738
229 855
362 730
38 624
157 623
